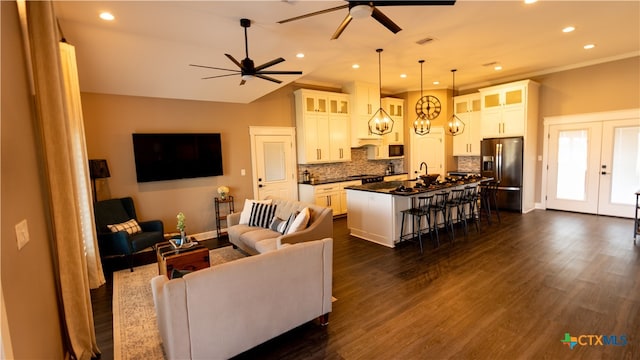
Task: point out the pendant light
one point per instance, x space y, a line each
381 123
456 126
422 124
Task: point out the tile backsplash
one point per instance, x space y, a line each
469 163
359 164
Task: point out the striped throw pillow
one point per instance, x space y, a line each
131 227
261 214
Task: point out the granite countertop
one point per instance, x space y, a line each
414 187
346 178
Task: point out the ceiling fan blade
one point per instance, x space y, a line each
234 61
270 63
314 14
411 2
218 76
213 67
342 26
384 20
275 72
268 78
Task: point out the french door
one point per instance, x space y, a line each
594 167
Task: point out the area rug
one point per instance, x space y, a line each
135 329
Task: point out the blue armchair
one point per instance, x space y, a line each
116 211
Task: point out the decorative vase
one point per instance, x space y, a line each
183 238
223 196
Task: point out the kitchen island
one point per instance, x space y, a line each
375 210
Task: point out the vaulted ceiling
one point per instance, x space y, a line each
147 49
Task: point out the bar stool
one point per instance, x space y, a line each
418 209
439 208
471 200
457 203
489 199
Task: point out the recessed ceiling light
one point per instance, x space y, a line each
589 46
107 16
497 67
436 83
568 29
355 66
300 55
403 76
530 1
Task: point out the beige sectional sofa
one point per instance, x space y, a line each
222 311
254 240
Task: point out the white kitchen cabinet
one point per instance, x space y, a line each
506 109
365 101
322 125
395 109
331 195
467 108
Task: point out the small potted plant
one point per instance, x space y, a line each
223 191
182 241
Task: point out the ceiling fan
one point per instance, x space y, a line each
247 68
362 9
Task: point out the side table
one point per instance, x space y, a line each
221 212
191 259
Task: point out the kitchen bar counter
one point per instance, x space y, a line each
374 210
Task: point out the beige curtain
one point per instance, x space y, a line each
58 143
78 145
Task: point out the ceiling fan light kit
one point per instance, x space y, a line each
381 123
248 70
456 126
422 124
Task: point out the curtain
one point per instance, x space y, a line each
80 164
56 129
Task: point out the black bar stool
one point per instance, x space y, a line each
489 199
439 208
471 199
418 209
457 203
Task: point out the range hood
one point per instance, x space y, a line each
367 141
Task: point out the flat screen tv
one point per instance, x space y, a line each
176 156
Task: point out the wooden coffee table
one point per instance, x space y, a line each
187 259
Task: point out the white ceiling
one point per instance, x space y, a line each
146 50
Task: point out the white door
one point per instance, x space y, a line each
428 148
273 162
574 163
594 167
619 168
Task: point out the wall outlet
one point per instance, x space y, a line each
22 233
243 172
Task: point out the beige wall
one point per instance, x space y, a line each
28 284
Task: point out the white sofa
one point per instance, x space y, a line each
254 240
222 311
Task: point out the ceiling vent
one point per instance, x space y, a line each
424 41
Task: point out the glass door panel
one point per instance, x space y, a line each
572 164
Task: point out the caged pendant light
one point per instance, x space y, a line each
381 123
456 126
422 124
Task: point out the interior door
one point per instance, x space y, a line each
428 148
274 163
619 168
574 164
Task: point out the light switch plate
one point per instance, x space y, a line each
22 233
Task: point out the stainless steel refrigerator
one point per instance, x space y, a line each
502 160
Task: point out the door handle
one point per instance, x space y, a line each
604 173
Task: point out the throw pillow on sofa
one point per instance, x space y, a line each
245 215
300 222
262 214
130 226
279 225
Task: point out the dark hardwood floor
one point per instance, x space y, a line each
510 291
